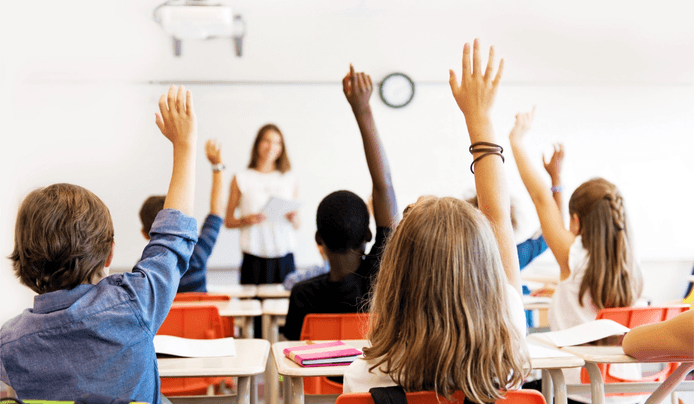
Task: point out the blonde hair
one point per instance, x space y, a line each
440 318
611 277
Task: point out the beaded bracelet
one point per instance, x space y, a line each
556 188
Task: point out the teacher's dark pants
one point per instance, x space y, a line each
258 270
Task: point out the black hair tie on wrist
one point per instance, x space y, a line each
496 147
472 166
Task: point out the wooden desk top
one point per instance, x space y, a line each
230 308
274 290
276 307
540 358
251 358
613 354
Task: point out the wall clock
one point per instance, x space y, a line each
397 90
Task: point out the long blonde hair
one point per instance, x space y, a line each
440 318
611 277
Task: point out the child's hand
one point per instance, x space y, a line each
357 88
524 121
476 91
553 167
213 150
176 119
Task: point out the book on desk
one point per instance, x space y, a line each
335 353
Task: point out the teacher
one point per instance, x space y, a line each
267 245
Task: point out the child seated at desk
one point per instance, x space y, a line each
195 278
89 333
342 223
446 313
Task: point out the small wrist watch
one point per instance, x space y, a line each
218 167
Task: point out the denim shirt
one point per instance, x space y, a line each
195 279
98 338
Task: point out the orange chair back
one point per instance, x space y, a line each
428 397
632 317
200 297
335 326
196 322
331 327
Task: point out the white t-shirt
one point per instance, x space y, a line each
565 312
267 239
358 379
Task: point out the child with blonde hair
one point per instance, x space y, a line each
446 314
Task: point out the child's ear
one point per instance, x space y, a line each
144 234
110 256
319 239
368 236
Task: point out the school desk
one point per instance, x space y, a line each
592 355
272 291
551 364
234 291
250 361
243 311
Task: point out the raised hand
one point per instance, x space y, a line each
176 118
476 90
553 166
524 121
213 150
357 88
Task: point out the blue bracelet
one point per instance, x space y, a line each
556 188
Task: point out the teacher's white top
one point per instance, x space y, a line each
269 239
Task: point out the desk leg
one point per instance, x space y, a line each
254 391
271 379
296 390
244 390
559 386
670 383
597 386
547 386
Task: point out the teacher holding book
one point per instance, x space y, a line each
267 241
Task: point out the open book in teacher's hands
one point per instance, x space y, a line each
335 353
194 348
582 334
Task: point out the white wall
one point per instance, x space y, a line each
612 80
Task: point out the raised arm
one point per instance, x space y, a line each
553 168
357 88
213 150
475 93
557 237
177 122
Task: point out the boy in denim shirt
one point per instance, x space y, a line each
88 332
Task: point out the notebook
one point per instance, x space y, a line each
335 353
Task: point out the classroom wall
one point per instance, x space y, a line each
613 81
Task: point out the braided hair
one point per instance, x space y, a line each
611 277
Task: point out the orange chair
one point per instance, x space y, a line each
197 322
227 322
331 327
631 317
428 397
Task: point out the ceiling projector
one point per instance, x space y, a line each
199 19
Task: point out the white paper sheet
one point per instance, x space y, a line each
194 348
583 333
276 209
